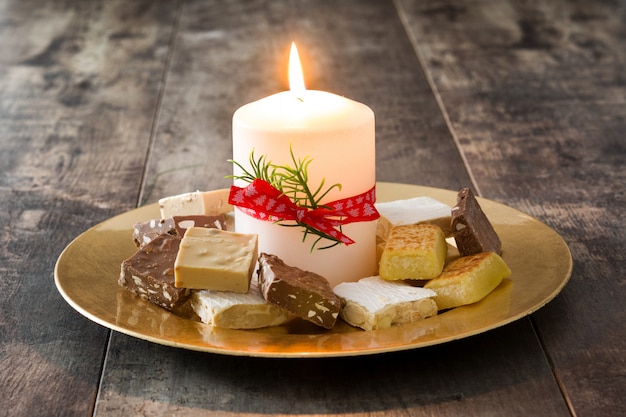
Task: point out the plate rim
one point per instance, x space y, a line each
381 186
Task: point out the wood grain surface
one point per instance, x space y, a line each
106 105
79 84
536 95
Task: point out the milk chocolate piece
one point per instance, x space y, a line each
472 230
305 294
144 232
149 273
182 223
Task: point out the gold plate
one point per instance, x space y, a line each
86 275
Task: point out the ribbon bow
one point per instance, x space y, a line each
264 202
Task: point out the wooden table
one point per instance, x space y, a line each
107 105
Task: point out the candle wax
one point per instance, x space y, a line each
337 134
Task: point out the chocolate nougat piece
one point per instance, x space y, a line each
149 273
472 230
182 223
303 293
144 232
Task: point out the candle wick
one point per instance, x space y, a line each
301 99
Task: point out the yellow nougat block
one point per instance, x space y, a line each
415 251
468 279
215 259
417 210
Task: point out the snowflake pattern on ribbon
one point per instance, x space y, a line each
263 202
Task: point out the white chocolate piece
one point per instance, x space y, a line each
208 203
412 211
373 303
215 259
229 310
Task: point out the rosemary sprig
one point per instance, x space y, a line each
292 181
261 169
295 183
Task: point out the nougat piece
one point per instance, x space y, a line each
229 310
209 203
215 259
373 303
468 279
416 251
471 228
144 232
182 223
305 294
415 210
149 273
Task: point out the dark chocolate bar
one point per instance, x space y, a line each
305 294
471 229
144 232
182 223
149 273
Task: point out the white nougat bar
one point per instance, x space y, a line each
230 310
208 203
413 211
373 303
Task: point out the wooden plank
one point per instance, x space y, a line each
536 96
78 85
448 380
228 55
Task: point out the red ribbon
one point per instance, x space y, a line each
264 202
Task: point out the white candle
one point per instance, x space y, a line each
337 134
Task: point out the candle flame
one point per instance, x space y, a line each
296 79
